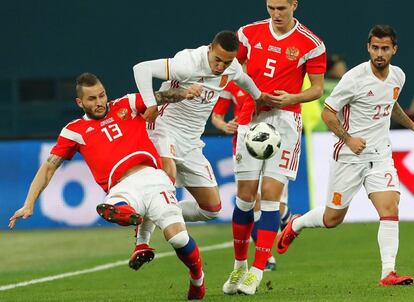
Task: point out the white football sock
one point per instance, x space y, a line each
240 263
312 219
388 245
145 231
193 212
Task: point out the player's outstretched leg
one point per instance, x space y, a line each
286 237
121 213
187 251
142 253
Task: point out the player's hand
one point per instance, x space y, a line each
151 114
231 126
284 98
193 91
266 99
24 212
356 144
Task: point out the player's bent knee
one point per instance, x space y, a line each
172 216
210 212
179 240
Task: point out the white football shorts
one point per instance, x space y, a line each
283 166
194 170
152 194
346 179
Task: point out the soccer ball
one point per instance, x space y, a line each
262 141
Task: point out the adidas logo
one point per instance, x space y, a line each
370 93
258 46
90 129
240 93
201 80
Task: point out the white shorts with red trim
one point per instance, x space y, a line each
284 165
346 179
152 194
194 170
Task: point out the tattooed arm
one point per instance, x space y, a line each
401 117
356 144
39 183
174 95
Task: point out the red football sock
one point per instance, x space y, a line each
241 237
264 244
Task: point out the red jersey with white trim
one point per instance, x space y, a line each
111 145
280 62
243 106
243 103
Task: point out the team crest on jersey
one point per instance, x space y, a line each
173 151
122 113
292 53
223 81
337 199
396 92
238 158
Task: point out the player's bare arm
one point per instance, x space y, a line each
312 93
356 144
175 95
229 127
401 117
39 183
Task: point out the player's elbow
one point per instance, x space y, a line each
318 90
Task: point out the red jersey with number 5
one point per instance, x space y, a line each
280 62
111 145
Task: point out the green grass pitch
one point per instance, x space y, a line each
322 265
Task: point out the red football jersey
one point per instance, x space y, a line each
243 106
243 103
280 62
111 145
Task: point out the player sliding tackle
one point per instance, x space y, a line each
112 139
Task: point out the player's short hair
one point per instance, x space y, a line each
86 79
383 31
227 40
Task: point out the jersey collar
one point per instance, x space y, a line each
278 38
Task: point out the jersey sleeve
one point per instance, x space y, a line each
316 64
180 67
223 104
243 42
65 147
342 94
136 103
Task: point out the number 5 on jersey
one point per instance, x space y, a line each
112 132
270 68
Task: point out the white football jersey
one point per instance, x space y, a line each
364 104
186 120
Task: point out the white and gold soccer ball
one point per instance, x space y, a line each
262 141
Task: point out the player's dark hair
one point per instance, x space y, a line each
227 40
383 31
86 79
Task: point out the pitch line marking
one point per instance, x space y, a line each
104 267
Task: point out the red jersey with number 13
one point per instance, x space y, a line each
111 145
280 62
